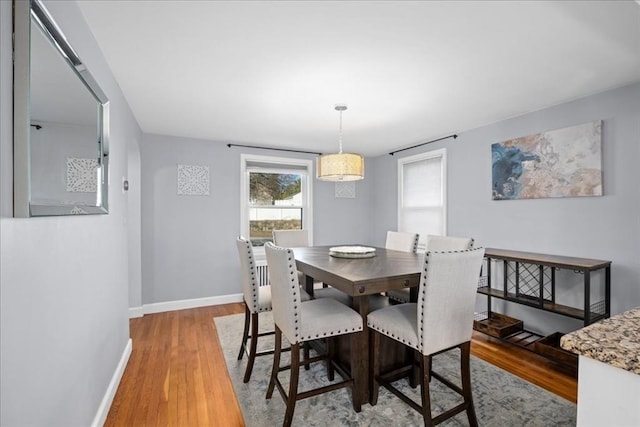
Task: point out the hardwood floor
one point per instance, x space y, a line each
176 375
526 365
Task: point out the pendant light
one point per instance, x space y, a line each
340 166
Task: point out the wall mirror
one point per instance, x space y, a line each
61 122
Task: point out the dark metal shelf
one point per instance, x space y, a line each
533 302
557 261
529 279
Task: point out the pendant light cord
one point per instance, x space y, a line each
340 108
340 137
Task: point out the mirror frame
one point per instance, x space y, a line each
26 14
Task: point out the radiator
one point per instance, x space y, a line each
263 273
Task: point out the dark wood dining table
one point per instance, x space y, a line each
360 278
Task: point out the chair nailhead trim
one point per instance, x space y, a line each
255 303
389 334
332 333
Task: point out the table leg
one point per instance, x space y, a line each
361 304
308 284
413 294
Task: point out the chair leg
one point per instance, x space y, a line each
293 384
331 353
245 334
414 357
357 367
416 372
305 354
252 348
276 362
465 373
425 368
374 362
430 368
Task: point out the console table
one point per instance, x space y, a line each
530 279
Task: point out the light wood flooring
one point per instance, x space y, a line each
176 375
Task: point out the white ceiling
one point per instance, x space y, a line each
269 73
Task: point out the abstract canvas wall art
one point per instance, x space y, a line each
564 162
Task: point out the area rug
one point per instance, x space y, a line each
501 399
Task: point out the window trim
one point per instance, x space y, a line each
304 167
428 155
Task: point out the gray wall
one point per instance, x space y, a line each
606 227
188 248
52 144
64 280
185 239
134 223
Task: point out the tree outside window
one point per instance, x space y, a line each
275 203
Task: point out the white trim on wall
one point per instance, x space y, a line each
161 307
107 400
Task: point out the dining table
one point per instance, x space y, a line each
362 279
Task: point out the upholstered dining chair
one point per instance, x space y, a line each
434 243
291 238
303 321
402 241
441 320
405 242
257 299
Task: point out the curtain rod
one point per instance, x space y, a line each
271 148
454 136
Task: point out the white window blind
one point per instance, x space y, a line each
421 194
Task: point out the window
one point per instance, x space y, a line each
276 195
421 194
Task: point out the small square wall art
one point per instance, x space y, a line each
193 180
564 162
82 175
345 190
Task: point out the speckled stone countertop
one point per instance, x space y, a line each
615 341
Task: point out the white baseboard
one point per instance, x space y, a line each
136 312
107 400
160 307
